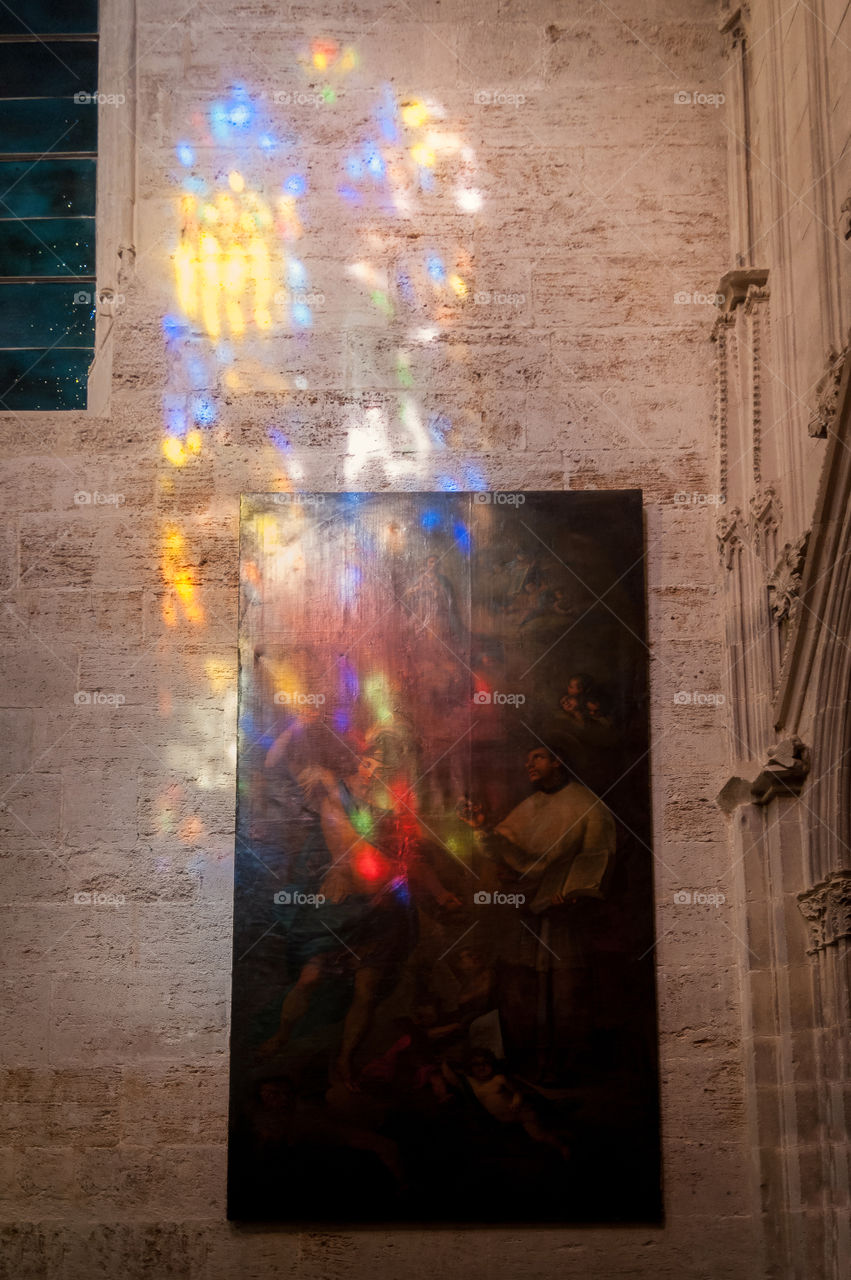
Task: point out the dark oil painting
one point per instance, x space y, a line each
443 980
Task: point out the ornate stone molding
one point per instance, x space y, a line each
733 22
827 395
735 287
784 582
827 910
731 532
766 510
784 772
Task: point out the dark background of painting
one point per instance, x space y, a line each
331 606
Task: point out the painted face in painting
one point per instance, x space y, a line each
545 772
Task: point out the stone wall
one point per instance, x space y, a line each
526 303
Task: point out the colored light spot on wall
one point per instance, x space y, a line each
435 269
236 182
414 114
185 154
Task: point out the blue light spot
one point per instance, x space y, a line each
219 121
295 185
462 536
447 484
174 327
431 519
266 142
342 720
302 315
185 155
197 186
386 116
296 274
349 194
279 440
475 479
176 420
349 682
204 411
239 115
354 166
435 268
374 162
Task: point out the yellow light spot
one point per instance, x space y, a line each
193 442
414 114
173 450
423 156
236 181
458 285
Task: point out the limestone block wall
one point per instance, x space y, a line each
507 223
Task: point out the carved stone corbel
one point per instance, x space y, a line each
827 910
827 395
784 582
736 286
784 772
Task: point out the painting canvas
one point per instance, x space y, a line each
443 983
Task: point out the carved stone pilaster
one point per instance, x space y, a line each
827 910
730 532
827 394
766 510
784 582
784 772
